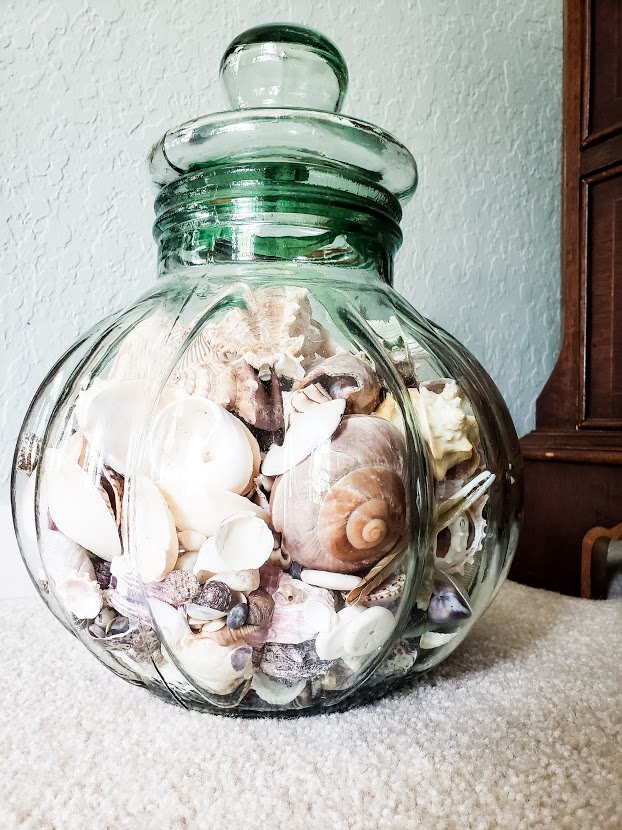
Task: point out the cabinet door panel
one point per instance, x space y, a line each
603 388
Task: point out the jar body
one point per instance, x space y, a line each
268 488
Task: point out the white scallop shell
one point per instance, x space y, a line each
77 507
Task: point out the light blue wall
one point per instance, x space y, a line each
473 88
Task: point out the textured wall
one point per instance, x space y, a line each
471 86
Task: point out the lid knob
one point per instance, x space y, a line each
282 65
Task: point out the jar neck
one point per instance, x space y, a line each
277 213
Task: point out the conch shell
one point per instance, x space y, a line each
450 433
344 507
273 329
346 376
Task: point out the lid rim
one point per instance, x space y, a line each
195 144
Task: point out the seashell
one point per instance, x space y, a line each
228 636
245 581
175 589
191 540
331 580
212 378
260 608
270 577
343 508
215 595
457 504
219 668
458 543
318 615
149 346
377 574
280 558
77 506
129 605
368 631
289 623
154 536
237 615
404 351
111 486
198 444
71 570
106 617
109 414
256 459
258 401
448 603
329 644
203 613
276 694
307 431
346 376
292 662
435 639
363 515
386 592
213 625
187 561
449 432
241 542
389 411
303 399
102 572
28 453
203 510
271 329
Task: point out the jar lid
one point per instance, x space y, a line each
286 85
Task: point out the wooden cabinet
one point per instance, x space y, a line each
573 458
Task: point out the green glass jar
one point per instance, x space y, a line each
270 486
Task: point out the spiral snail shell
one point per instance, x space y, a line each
344 507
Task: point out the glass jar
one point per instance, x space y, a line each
270 485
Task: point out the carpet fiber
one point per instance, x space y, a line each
520 728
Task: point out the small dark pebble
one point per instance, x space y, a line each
295 569
237 615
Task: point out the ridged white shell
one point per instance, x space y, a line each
77 507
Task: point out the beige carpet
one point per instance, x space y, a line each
521 728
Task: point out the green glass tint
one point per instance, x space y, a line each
270 486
